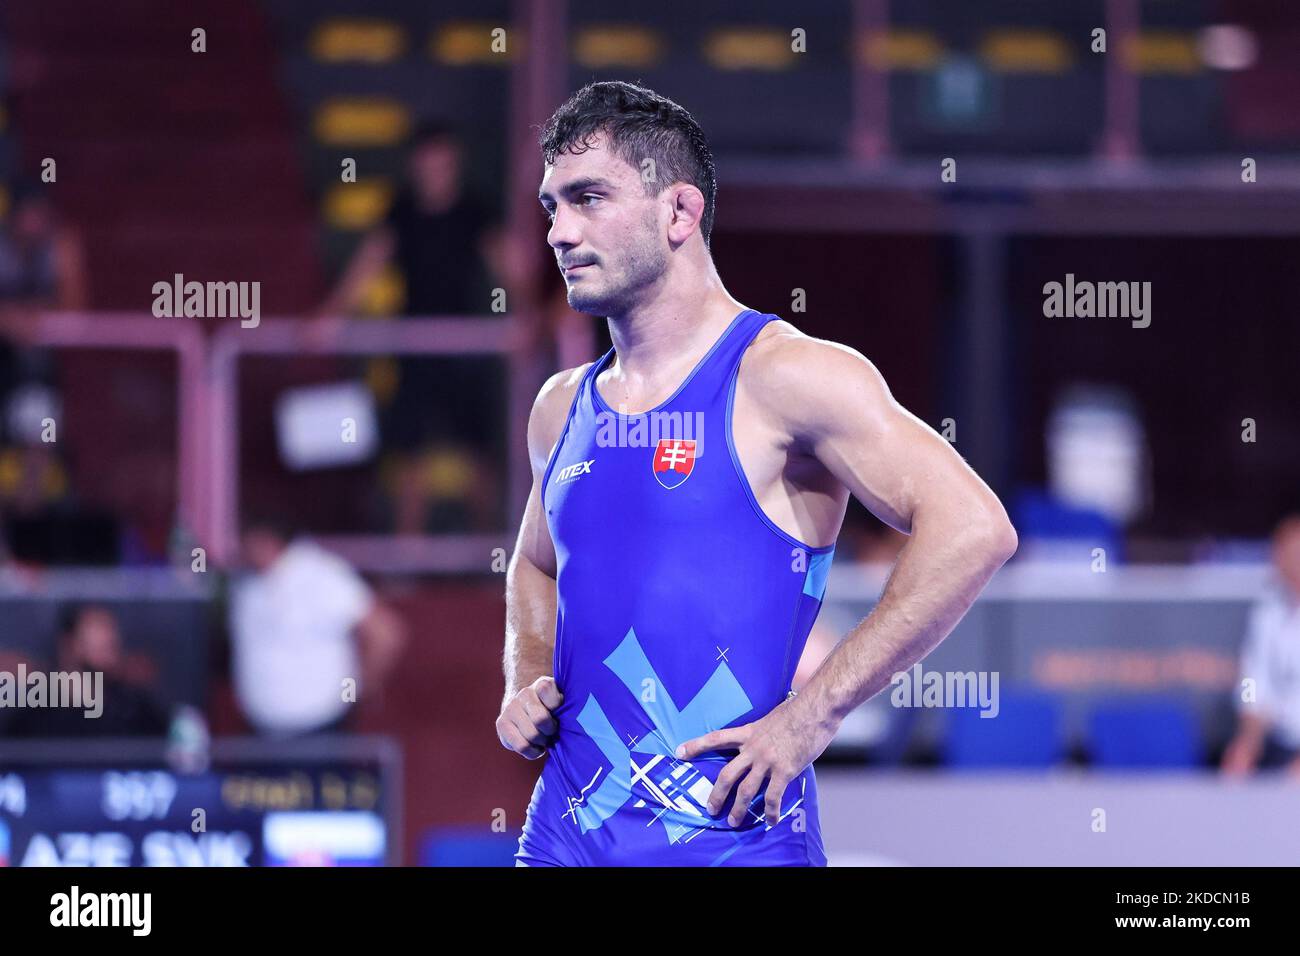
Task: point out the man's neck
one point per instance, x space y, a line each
676 328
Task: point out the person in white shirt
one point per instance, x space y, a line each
1268 693
309 637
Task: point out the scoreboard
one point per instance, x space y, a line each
309 803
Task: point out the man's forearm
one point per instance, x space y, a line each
939 574
1252 731
381 635
530 625
369 260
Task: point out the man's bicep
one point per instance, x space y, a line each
889 459
545 425
534 543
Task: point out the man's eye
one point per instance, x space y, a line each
597 198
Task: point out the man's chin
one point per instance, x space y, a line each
588 304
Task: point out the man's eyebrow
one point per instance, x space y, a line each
577 186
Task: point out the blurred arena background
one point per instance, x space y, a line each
903 177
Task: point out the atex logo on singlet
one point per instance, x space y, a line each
573 471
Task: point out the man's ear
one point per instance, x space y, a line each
687 204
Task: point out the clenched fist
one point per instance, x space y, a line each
526 724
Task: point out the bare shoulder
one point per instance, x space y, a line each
550 409
559 389
802 378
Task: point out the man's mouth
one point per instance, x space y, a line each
581 265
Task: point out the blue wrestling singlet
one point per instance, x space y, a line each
682 609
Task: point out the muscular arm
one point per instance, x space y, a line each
525 722
831 410
909 477
530 602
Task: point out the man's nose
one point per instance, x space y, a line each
563 233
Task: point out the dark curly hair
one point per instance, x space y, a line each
640 124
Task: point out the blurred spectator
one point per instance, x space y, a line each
446 415
303 625
41 262
1098 477
1097 453
89 642
42 521
41 267
438 237
1268 730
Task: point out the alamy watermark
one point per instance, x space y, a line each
79 690
131 911
1102 300
918 688
208 300
648 429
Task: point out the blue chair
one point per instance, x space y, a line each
1026 733
1144 733
467 846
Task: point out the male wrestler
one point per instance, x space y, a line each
664 580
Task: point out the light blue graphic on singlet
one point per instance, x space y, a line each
591 812
683 791
720 701
819 569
